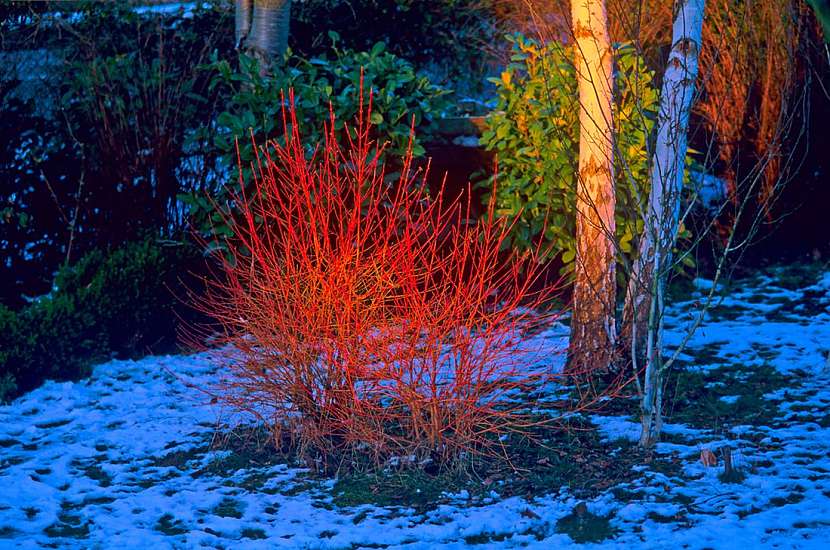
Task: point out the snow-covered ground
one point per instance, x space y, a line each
125 459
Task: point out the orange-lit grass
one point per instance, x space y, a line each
366 317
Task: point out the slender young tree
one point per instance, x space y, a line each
593 331
648 280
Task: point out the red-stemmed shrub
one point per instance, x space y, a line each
360 315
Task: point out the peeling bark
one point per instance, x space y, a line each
262 28
593 331
242 21
644 305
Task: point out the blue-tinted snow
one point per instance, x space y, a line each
87 455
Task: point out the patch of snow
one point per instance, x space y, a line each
124 459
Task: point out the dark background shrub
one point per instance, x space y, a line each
98 108
123 304
443 37
329 83
111 116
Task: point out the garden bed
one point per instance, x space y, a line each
135 456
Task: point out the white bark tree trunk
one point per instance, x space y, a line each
262 28
593 332
648 280
242 27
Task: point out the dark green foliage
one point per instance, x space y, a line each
98 108
534 129
822 9
33 233
332 80
118 304
445 36
10 340
109 112
135 97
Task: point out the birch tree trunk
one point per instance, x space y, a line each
242 21
263 29
593 330
645 291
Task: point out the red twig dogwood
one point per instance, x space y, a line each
364 315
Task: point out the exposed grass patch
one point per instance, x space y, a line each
583 526
170 526
660 518
255 483
695 401
55 424
178 459
796 276
810 524
88 501
809 304
734 475
792 498
253 533
708 354
412 488
96 473
11 461
572 457
228 508
729 312
298 488
242 454
360 516
98 501
8 532
68 526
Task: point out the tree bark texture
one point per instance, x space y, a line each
593 330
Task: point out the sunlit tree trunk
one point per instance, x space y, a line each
592 327
651 269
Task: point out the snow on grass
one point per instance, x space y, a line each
127 458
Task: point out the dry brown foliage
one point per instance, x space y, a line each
752 63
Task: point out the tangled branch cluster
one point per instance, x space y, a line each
366 316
